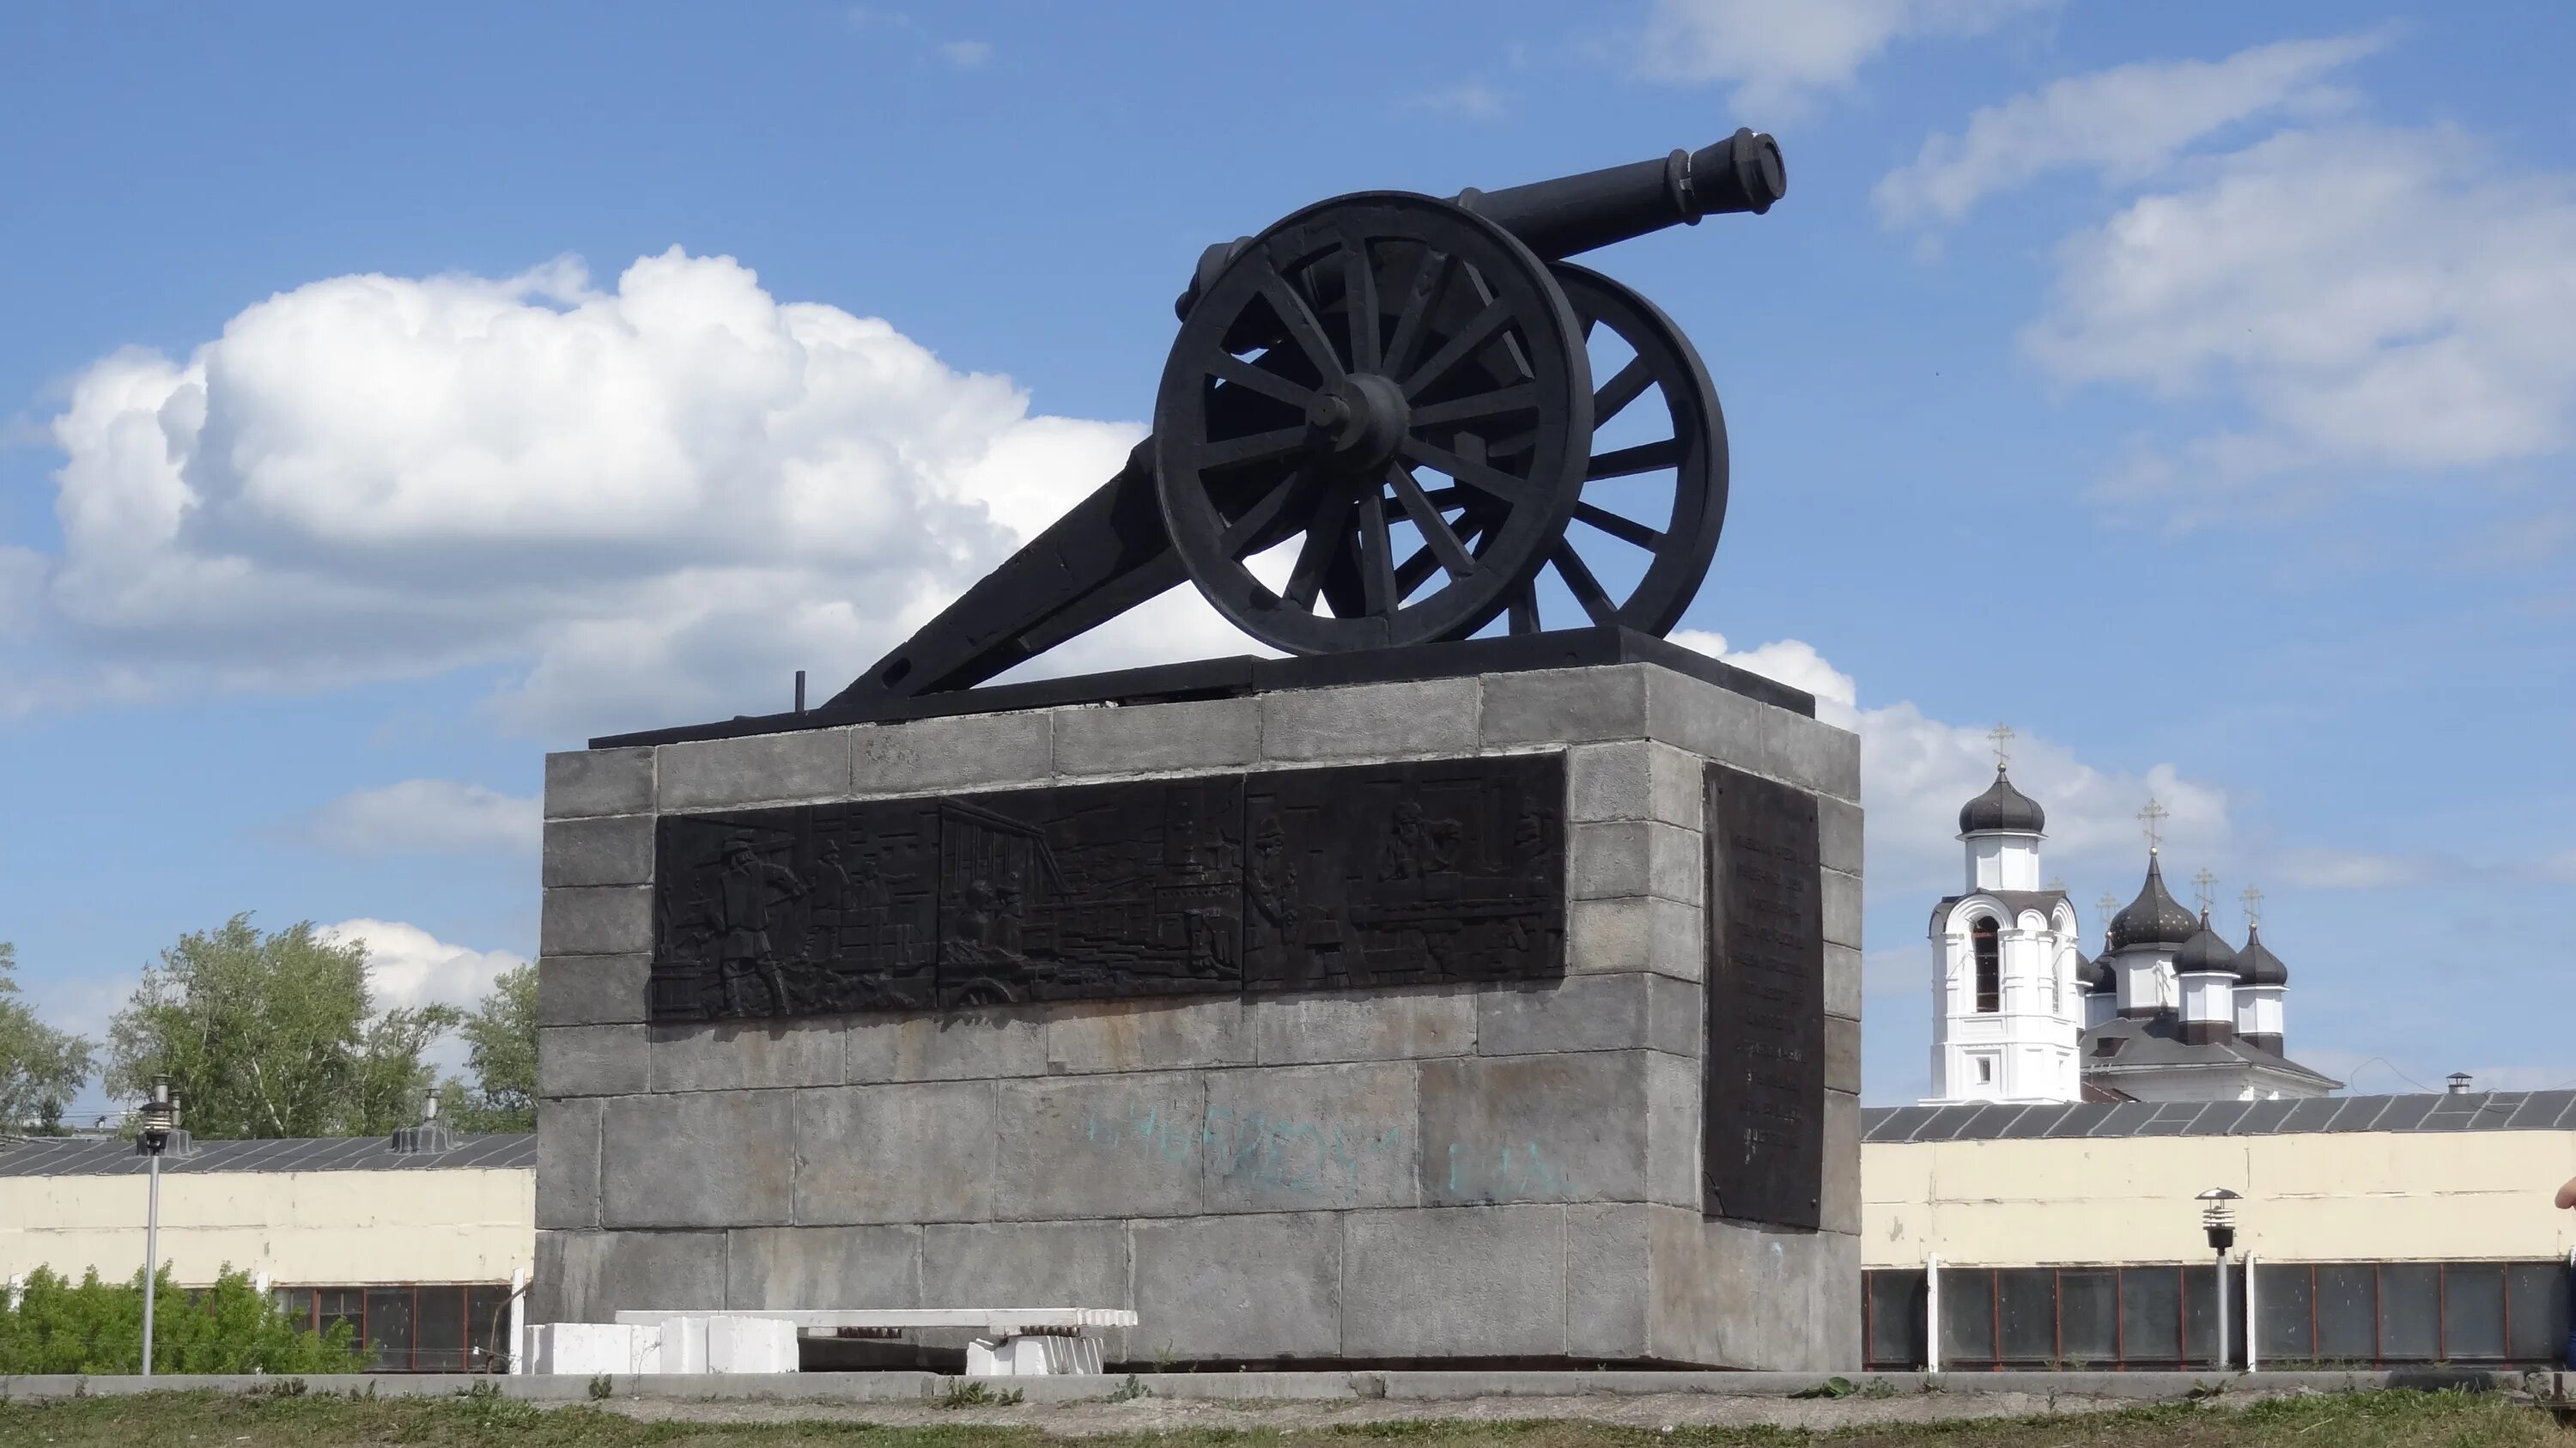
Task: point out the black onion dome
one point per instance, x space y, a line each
2206 952
2001 807
2155 917
2256 965
2098 976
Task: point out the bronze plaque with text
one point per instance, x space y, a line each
1762 1156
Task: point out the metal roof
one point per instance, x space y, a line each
116 1156
2475 1111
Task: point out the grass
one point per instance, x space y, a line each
2360 1420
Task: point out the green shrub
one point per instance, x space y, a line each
92 1327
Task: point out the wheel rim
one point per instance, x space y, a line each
1372 426
1629 556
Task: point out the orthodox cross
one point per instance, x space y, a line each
2202 883
2001 736
2253 899
2109 905
2155 816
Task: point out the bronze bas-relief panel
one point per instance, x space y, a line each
1306 879
1763 1148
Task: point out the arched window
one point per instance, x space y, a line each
1990 986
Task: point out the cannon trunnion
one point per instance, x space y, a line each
1392 420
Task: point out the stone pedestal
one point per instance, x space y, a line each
1485 1171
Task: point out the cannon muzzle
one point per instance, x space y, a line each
1575 214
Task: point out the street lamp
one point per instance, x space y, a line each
2218 1219
160 1121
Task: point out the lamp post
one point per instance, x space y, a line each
160 1119
2218 1219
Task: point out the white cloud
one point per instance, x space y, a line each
1916 772
654 502
425 817
965 54
1776 54
2128 121
2375 298
408 966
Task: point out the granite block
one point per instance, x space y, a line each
977 1043
1310 1137
1463 1281
1842 982
590 1060
850 1139
598 782
1842 909
1146 1035
1397 1024
1842 1053
567 1163
1606 1267
822 1267
606 850
1634 857
1371 721
800 766
592 990
1631 1010
1840 837
740 1150
596 920
592 1276
1217 1289
1811 754
740 1055
1157 738
971 751
1564 706
1639 933
1100 1146
1554 1128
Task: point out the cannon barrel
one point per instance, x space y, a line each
1575 214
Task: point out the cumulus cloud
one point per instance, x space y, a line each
425 817
408 966
1916 771
1776 55
2128 122
2372 298
650 503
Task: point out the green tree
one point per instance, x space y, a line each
94 1327
501 1052
40 1068
273 1035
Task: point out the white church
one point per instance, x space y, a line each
2171 1011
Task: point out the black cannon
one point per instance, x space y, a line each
1376 428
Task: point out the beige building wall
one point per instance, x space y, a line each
321 1229
2315 1197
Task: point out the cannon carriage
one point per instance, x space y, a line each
1388 420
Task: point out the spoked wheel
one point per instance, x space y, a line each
1373 426
1653 496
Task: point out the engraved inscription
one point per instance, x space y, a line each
1763 1149
1306 879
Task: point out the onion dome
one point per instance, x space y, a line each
2256 965
2155 917
2001 807
2095 975
2206 952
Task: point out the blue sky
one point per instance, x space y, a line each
388 397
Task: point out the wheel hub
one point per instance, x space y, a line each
1361 421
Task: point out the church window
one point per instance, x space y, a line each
1990 997
1985 1076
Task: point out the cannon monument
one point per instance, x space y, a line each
1473 981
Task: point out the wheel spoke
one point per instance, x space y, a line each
1413 570
1302 327
1429 281
1244 532
1359 299
1479 330
1619 391
1483 477
1519 397
1251 447
1587 589
1626 530
1524 609
1629 461
1379 596
1234 371
1327 536
1442 543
